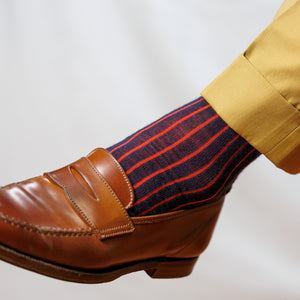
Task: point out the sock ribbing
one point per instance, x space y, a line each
185 159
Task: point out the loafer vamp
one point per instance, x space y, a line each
39 202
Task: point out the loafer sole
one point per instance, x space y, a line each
162 267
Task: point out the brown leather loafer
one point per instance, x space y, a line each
72 224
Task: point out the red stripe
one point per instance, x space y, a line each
195 202
158 121
141 162
188 176
203 188
181 160
162 132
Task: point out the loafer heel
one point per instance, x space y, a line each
173 269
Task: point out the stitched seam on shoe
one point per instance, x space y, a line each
76 205
117 233
116 198
43 230
112 228
125 178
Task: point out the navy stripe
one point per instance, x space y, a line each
192 139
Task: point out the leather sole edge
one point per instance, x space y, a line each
156 268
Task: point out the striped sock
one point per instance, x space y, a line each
187 158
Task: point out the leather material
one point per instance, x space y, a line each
115 176
76 216
101 210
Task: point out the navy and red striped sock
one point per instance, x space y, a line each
187 158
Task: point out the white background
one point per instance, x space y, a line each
75 75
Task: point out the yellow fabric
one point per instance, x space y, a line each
259 94
285 6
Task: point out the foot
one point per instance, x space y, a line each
72 224
148 203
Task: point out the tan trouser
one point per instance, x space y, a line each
258 95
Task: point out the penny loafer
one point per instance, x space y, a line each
72 224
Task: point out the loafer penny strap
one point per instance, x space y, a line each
93 198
